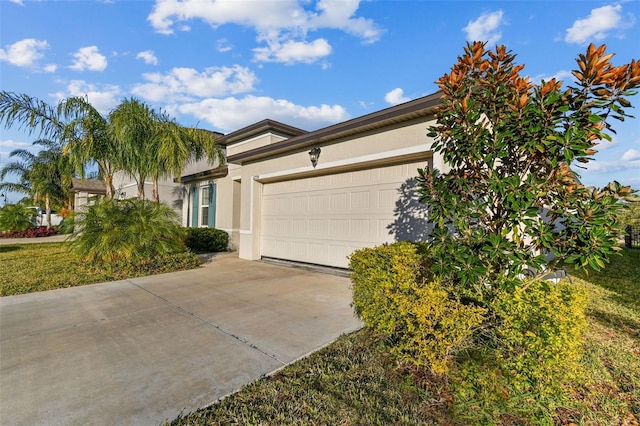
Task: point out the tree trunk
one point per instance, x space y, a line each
108 183
47 209
141 189
155 195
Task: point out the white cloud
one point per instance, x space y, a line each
223 45
8 145
604 144
148 57
185 84
50 68
396 96
596 25
282 24
89 58
24 53
631 155
18 2
103 98
338 14
612 166
562 75
485 27
11 144
291 51
234 113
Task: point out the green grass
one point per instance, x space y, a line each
27 268
354 381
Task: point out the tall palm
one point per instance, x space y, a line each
44 176
178 146
75 122
156 146
133 125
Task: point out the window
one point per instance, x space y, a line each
204 206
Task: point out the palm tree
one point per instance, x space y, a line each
75 122
134 138
45 176
178 146
133 125
155 146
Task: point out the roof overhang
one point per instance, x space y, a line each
259 128
422 107
91 186
214 173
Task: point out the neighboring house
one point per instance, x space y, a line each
87 191
169 191
275 204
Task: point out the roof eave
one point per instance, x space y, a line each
421 107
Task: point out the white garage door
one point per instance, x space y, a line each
322 220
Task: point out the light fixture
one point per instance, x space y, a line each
314 154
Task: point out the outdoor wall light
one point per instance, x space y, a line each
314 154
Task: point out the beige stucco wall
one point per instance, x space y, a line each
253 143
239 194
406 135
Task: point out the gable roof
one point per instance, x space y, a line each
421 107
258 128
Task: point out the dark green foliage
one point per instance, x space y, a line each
16 217
512 196
127 230
206 240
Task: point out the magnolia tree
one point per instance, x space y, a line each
512 204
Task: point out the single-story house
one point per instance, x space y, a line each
358 192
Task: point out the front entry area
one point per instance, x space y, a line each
321 220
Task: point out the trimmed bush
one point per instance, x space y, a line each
208 240
523 366
540 334
424 321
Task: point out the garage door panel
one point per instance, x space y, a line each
329 217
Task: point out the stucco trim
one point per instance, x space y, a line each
380 159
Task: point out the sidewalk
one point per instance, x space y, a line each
52 239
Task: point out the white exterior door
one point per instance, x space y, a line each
323 219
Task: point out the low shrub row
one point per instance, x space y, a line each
30 233
208 240
526 341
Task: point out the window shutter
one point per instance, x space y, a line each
212 205
195 207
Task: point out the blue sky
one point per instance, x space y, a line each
225 64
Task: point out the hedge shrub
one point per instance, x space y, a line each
424 320
540 334
207 240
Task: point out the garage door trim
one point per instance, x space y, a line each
388 158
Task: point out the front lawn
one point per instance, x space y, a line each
26 268
354 380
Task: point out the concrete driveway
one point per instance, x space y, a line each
144 350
